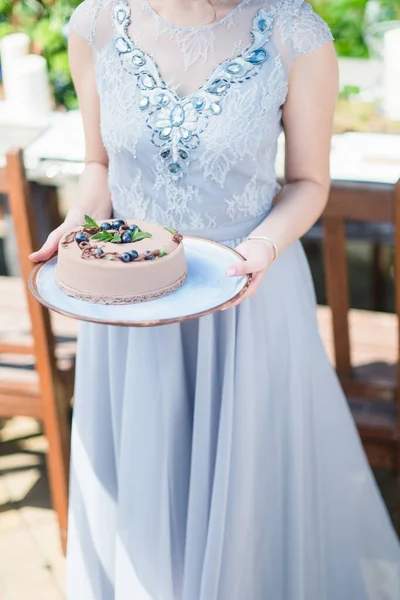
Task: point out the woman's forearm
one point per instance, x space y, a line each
298 207
93 195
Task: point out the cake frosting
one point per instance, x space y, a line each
120 261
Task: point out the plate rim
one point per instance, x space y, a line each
34 290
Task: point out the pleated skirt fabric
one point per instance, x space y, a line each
217 460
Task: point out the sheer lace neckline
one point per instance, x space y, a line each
167 23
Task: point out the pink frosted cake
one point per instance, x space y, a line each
120 261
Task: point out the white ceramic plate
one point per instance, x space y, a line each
206 290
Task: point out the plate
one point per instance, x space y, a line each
206 290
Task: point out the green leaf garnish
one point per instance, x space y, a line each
171 229
89 222
163 252
116 238
101 236
140 235
108 257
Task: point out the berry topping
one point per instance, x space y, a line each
125 257
133 254
148 255
133 227
98 251
81 237
118 223
126 237
106 226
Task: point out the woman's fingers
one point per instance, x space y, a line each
51 244
242 268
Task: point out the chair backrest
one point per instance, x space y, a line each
377 203
14 184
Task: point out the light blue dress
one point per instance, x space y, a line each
215 459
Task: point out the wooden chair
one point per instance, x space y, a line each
366 345
47 396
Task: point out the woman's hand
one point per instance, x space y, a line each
259 255
51 244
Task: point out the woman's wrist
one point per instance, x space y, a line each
269 244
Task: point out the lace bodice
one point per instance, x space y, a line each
190 117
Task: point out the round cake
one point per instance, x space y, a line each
120 261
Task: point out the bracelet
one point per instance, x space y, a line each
265 239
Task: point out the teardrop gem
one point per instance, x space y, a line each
165 133
175 168
234 68
215 108
122 45
144 103
138 60
258 56
121 13
148 81
218 86
177 116
183 154
262 25
185 134
198 102
165 153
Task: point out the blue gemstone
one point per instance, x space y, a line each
257 57
143 104
125 257
218 86
126 237
175 168
165 153
106 226
122 45
133 227
198 102
138 60
162 99
165 133
177 116
215 108
148 81
234 68
121 13
81 237
185 134
262 25
183 154
133 254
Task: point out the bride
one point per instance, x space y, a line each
215 459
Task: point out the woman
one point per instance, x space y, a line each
215 459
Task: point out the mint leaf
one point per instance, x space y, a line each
102 236
116 238
171 229
89 222
163 252
141 235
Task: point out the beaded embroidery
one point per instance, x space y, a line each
177 122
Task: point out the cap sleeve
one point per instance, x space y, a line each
82 21
308 30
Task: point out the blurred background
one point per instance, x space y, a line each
354 253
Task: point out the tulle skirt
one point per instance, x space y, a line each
217 460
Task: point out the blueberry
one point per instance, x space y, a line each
105 226
126 237
133 254
118 223
147 252
149 255
98 251
81 237
133 227
125 257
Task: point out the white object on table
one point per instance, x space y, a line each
392 73
31 90
12 48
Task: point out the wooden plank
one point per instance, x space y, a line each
368 202
3 182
